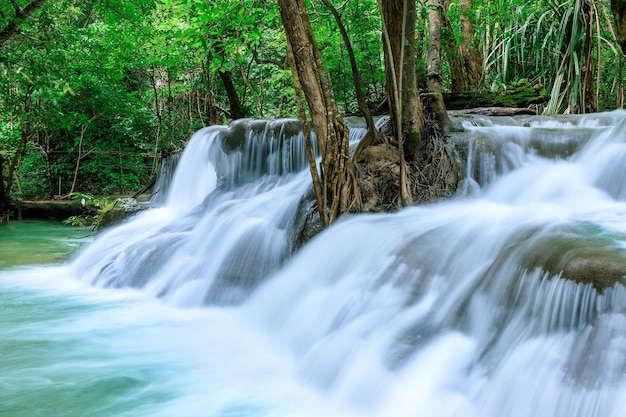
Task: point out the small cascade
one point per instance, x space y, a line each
253 149
495 150
426 300
220 231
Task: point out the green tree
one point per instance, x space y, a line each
11 20
337 191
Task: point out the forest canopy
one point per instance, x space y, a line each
93 93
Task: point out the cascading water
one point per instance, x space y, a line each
507 301
227 222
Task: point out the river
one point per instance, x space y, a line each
201 307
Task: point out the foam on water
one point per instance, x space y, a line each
460 308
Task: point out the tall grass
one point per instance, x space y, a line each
553 43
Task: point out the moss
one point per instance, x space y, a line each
521 94
413 140
116 212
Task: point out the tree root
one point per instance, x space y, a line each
434 175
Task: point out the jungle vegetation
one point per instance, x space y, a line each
93 93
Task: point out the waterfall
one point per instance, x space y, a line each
226 224
507 301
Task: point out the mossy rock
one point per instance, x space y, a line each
117 211
520 94
583 253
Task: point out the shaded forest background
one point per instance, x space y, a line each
93 93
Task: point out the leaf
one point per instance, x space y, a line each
68 89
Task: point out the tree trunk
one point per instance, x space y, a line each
339 192
159 115
45 150
78 158
589 98
458 77
398 21
435 22
257 101
308 140
372 135
618 7
233 99
470 53
620 85
404 102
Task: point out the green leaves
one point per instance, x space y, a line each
545 41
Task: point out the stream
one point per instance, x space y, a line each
506 301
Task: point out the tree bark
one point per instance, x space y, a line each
404 102
44 145
589 98
159 114
618 7
438 107
458 77
372 135
398 21
308 140
471 55
233 99
83 128
620 86
339 191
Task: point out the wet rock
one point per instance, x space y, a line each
118 211
308 222
581 253
601 273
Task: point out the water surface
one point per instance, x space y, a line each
456 309
31 242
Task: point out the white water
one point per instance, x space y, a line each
451 309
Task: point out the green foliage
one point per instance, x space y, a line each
101 205
92 93
79 221
544 41
31 171
66 84
363 24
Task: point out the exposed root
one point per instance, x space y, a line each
436 173
433 175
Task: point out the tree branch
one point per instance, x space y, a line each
262 61
17 8
13 27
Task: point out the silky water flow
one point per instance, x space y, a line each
491 304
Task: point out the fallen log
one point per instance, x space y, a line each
520 95
56 210
494 111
